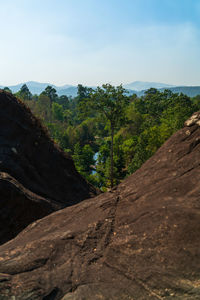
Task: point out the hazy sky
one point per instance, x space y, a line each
99 41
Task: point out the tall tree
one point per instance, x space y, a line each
51 93
82 92
110 102
64 101
24 93
43 108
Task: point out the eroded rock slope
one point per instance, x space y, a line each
139 241
36 177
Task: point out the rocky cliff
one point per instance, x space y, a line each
36 177
139 241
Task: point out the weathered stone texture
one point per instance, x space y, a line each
36 177
140 241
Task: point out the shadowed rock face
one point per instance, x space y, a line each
36 177
139 241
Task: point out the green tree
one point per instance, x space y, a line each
43 108
6 89
24 93
51 93
128 148
110 102
57 111
84 159
82 92
86 131
64 101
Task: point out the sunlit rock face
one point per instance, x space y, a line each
36 177
195 119
138 241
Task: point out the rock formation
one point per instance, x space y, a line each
139 241
36 177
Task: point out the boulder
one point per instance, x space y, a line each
36 177
138 241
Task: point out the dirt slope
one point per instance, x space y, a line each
139 241
36 177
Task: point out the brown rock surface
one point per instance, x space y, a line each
36 177
140 241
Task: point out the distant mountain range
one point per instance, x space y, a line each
136 87
142 85
38 87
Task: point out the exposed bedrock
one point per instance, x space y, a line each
36 177
139 241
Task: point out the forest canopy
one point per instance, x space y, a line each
108 133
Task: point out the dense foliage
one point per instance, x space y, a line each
83 126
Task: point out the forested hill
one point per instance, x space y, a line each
38 87
88 129
190 91
137 87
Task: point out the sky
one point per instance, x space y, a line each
100 41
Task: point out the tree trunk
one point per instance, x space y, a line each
111 158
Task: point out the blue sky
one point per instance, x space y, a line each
99 41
